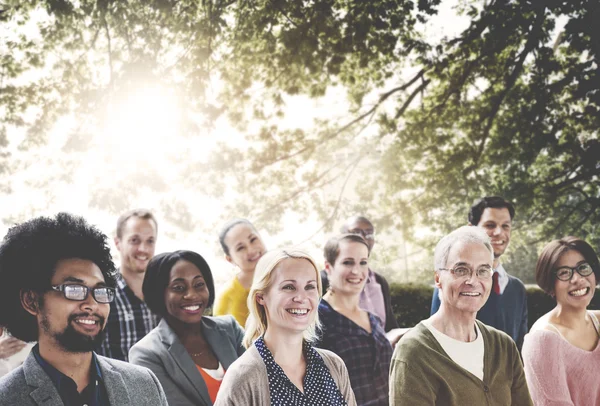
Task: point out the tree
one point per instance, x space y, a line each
508 106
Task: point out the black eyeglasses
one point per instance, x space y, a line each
80 292
460 271
564 273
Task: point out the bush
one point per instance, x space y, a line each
411 303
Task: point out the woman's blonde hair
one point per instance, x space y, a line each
257 324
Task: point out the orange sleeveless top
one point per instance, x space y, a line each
212 384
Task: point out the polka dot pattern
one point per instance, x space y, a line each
319 387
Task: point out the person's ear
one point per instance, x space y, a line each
260 299
328 268
229 259
436 279
117 241
30 302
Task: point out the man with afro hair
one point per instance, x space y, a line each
57 280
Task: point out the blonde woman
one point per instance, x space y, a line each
280 366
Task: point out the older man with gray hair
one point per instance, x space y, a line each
452 358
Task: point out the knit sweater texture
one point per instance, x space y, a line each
423 374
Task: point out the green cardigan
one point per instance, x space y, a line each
423 374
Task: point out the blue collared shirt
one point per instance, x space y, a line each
93 395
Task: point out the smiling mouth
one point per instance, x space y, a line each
354 281
191 308
579 292
470 294
298 312
498 242
144 258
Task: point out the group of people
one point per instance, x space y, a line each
282 331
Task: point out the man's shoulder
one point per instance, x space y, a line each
129 371
11 384
515 283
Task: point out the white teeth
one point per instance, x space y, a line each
191 308
84 321
470 294
298 311
497 242
579 292
354 280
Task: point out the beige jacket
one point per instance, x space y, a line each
246 381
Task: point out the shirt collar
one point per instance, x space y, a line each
57 377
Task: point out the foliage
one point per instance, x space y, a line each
508 106
411 303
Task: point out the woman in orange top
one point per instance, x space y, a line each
188 352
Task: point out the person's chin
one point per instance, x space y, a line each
74 341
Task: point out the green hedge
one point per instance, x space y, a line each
411 303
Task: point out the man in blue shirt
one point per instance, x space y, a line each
56 283
506 308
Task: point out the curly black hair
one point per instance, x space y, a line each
158 273
28 257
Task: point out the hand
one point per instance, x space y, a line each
395 335
10 346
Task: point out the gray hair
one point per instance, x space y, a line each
464 234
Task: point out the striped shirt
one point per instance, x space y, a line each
129 321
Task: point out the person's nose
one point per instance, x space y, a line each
497 231
145 247
575 278
300 296
89 304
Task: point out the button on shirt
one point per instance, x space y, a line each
319 387
93 395
366 355
129 321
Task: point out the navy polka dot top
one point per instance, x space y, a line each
319 387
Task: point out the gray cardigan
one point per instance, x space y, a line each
246 382
126 385
162 352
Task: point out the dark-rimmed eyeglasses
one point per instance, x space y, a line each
461 271
565 273
80 292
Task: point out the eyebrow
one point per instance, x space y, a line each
295 281
81 281
183 280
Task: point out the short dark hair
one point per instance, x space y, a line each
141 213
332 246
227 227
362 219
28 257
158 273
494 202
546 264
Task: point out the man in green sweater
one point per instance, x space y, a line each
452 358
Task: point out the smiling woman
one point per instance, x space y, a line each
567 269
188 352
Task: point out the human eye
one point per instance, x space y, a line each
134 240
200 285
348 263
310 286
363 263
289 286
563 273
238 249
484 272
461 271
177 288
585 268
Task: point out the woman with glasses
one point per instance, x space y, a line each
188 352
354 334
452 358
561 353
